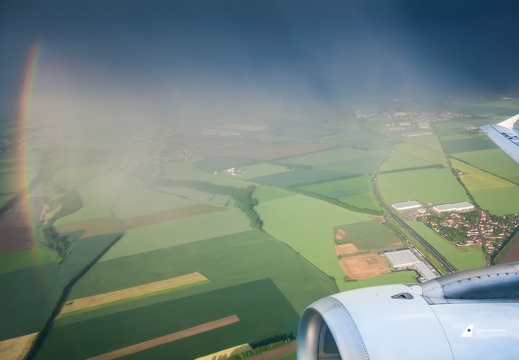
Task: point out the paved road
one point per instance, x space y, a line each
402 223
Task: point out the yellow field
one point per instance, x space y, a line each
133 292
475 179
16 348
227 353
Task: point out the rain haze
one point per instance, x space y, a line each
227 163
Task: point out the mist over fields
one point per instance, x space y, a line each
186 177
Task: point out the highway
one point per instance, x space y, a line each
402 223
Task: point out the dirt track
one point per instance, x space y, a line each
168 338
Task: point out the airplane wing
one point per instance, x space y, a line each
505 136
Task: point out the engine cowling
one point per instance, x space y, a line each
472 314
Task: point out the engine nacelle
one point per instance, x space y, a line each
471 314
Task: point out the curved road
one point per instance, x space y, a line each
402 223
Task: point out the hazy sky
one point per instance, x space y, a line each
235 59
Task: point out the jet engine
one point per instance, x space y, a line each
472 314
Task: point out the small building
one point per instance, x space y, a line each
460 207
406 205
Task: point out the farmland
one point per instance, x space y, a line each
134 228
435 186
355 191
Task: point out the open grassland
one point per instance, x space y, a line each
74 175
263 169
98 196
135 201
475 179
298 177
307 225
184 170
435 186
370 236
180 231
226 261
17 348
494 161
149 289
462 260
261 308
355 191
266 193
500 201
266 150
26 258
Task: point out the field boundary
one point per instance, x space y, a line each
145 345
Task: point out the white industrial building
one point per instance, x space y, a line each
460 206
406 205
406 259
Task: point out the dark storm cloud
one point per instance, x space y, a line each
279 54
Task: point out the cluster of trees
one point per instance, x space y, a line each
336 202
54 241
454 234
242 196
261 349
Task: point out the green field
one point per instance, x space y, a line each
216 164
266 193
435 186
494 161
430 142
307 225
431 157
75 175
402 160
459 259
355 191
135 201
399 277
298 177
475 179
261 308
473 144
262 169
183 170
98 196
371 236
498 201
26 258
347 159
177 232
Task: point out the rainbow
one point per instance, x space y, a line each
24 108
